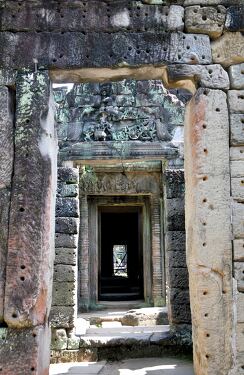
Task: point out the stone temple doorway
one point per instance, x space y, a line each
120 253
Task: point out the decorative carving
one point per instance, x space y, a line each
96 183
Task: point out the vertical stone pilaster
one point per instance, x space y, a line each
6 170
208 230
157 291
31 229
84 255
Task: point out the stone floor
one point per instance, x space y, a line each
141 366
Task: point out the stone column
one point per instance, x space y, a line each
6 170
156 252
208 230
84 254
31 230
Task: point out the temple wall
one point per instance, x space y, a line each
194 44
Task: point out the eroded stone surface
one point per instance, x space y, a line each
237 129
145 317
65 256
64 294
31 228
238 219
208 224
205 20
239 250
236 73
228 49
236 101
111 49
63 316
59 339
24 351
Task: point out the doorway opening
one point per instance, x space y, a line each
120 254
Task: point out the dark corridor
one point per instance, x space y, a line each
121 264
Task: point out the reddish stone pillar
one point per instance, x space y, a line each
25 343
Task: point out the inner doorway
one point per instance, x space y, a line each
120 254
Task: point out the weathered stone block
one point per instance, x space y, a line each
66 225
237 153
179 297
66 240
24 351
81 355
240 337
176 259
237 188
210 76
31 224
7 77
235 18
64 294
240 307
63 316
175 241
73 342
237 129
238 274
7 136
205 20
175 214
236 73
180 314
228 49
107 49
239 250
237 168
68 175
236 100
174 183
178 278
65 256
67 207
67 190
64 273
59 339
238 219
4 220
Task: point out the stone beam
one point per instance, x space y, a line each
208 230
76 50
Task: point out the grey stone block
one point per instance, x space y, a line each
59 339
107 49
67 190
67 225
63 316
67 207
238 219
176 259
174 183
180 314
235 18
68 175
178 278
236 129
175 214
66 240
239 275
7 77
179 297
175 241
236 101
65 256
64 294
64 273
236 73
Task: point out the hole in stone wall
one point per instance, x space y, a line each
21 209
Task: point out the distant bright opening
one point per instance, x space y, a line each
120 260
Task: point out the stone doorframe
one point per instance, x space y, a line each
142 188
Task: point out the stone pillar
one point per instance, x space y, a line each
208 230
31 230
6 170
175 250
156 252
84 255
64 302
